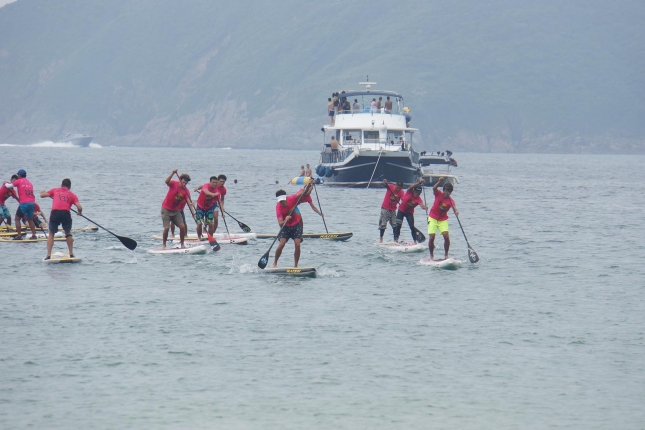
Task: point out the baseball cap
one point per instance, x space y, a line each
21 172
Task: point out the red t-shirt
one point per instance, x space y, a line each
391 198
305 199
283 211
176 198
441 206
62 199
206 202
222 192
409 202
25 190
5 193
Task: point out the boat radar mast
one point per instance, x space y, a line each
367 84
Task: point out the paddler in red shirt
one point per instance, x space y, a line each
62 201
438 217
173 204
388 207
6 191
206 204
410 200
219 203
290 219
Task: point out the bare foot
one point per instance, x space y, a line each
274 266
381 240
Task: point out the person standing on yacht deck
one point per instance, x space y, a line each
356 108
330 111
388 105
334 144
378 104
373 106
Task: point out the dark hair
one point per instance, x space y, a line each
184 176
66 183
222 177
388 97
213 178
14 177
399 184
280 193
447 187
329 99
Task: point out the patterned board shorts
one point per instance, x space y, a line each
207 215
4 212
386 216
293 232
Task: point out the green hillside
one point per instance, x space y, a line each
496 75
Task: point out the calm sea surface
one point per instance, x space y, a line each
546 332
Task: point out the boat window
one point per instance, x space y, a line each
393 135
371 136
351 137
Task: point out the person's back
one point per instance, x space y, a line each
357 106
334 144
388 105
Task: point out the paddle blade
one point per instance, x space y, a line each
472 255
213 243
420 237
264 260
128 243
245 228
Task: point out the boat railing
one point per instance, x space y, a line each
329 156
368 111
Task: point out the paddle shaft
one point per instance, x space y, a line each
262 264
320 207
243 226
470 248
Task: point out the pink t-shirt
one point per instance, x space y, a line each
206 202
281 212
222 192
5 193
409 202
62 199
391 198
176 197
440 207
25 190
305 199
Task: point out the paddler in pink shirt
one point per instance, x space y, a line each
62 201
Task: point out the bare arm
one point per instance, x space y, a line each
79 207
44 194
168 179
436 186
315 208
419 182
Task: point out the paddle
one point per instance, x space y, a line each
211 240
265 258
320 207
243 226
126 241
472 255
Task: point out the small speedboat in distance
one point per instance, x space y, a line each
78 139
435 165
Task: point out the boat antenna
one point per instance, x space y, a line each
367 83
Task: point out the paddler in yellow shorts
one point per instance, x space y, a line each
438 217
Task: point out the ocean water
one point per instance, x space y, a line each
547 331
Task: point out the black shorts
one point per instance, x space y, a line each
293 232
57 218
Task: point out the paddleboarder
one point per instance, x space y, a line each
306 198
291 223
5 193
219 200
62 201
388 207
438 217
410 200
173 204
25 191
206 203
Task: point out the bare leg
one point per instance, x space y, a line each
172 230
211 228
199 231
50 244
382 230
278 251
165 236
182 234
215 220
446 242
32 226
296 252
18 227
70 243
431 246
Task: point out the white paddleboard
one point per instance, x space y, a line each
217 236
448 263
402 246
201 249
59 257
291 271
192 241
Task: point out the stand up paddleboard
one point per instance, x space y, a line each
402 246
327 236
217 236
59 257
27 240
235 240
291 271
447 264
12 230
201 249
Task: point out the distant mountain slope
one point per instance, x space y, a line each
494 75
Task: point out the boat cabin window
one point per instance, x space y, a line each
393 136
371 136
351 137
